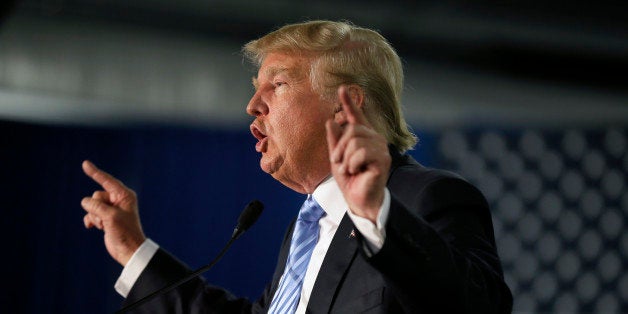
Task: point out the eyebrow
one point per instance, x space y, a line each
274 71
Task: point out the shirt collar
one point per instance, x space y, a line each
329 196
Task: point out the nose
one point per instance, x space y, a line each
257 107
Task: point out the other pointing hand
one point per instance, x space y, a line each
113 210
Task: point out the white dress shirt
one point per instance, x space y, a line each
329 196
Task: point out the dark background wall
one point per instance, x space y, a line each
192 185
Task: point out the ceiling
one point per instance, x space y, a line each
573 43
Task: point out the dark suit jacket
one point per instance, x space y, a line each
439 256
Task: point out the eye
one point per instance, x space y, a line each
279 83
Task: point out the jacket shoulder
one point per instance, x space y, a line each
417 186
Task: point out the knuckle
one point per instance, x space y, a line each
128 194
98 206
362 151
354 143
128 198
102 210
87 203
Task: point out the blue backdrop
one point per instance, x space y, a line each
558 199
192 185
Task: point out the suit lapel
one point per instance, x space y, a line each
340 255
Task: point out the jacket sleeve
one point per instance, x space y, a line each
439 254
195 296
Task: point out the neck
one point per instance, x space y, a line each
306 186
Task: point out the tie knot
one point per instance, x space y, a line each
311 211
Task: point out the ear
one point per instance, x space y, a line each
340 117
356 94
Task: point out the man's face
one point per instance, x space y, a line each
290 122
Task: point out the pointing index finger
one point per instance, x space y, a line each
354 114
107 181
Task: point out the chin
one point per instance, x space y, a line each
269 165
265 168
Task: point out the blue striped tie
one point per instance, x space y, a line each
304 239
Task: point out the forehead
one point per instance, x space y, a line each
283 63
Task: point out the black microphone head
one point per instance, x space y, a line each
248 217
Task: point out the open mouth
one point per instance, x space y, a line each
262 139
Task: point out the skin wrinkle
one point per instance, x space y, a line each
296 148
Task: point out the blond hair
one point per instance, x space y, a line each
346 54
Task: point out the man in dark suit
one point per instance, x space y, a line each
391 236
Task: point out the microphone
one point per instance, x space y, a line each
247 218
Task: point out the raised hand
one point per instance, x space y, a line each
114 211
359 156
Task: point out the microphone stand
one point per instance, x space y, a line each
177 283
246 219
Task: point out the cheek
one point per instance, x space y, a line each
293 132
301 122
285 133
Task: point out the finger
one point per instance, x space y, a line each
357 161
349 133
107 181
102 196
334 132
340 152
96 207
356 155
354 114
87 220
97 221
91 220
